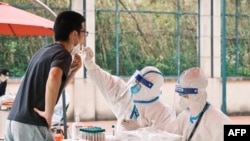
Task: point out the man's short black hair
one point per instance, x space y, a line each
65 23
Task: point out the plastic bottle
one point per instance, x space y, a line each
113 130
76 126
112 136
59 135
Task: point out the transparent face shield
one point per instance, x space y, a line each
183 91
136 78
129 83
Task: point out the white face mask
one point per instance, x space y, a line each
183 103
76 49
3 78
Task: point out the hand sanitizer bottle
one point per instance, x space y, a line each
76 126
113 130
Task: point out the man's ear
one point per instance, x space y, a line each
73 36
75 33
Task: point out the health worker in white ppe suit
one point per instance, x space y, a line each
135 103
200 120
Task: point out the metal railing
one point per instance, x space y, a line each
183 37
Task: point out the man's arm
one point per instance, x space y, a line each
51 93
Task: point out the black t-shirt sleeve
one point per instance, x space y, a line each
63 61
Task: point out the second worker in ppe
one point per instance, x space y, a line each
200 120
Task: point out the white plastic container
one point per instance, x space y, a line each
76 126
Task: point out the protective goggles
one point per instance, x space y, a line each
183 91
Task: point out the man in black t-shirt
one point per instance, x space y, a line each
47 74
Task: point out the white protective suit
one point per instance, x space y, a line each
117 93
210 127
